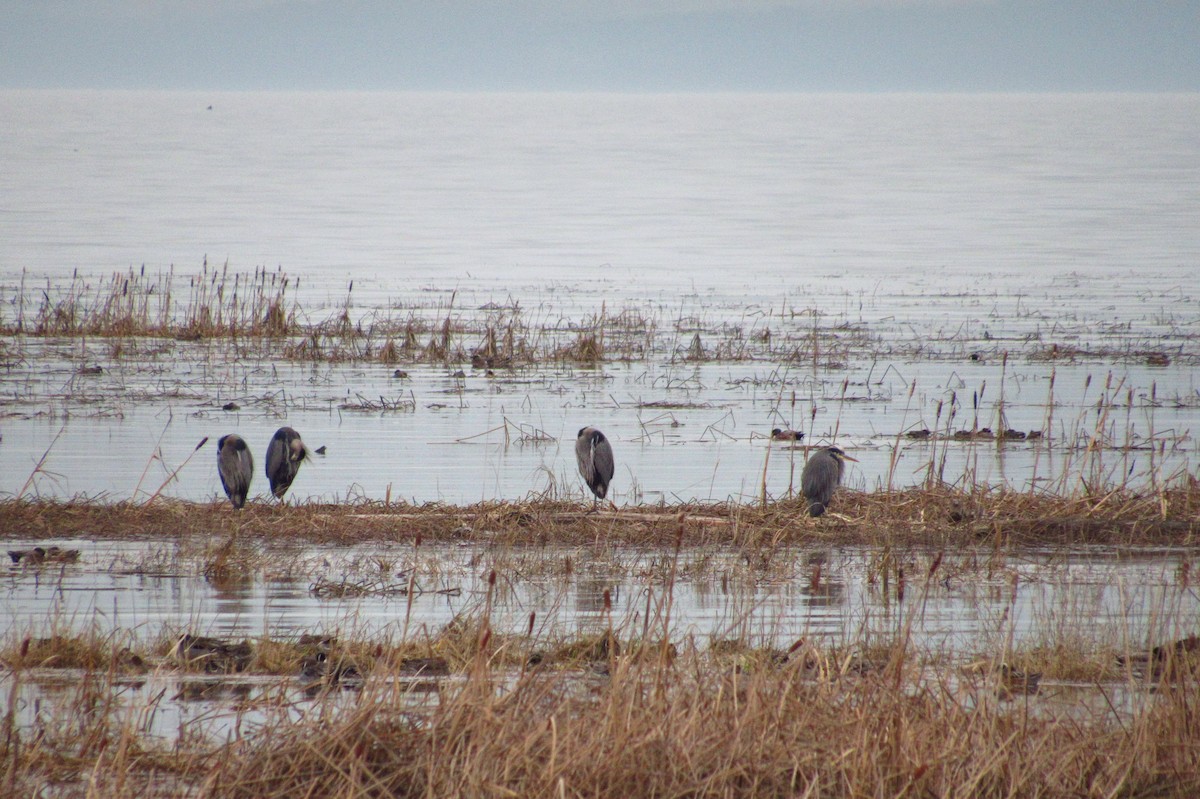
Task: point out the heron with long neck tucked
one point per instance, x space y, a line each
235 465
284 456
821 477
594 455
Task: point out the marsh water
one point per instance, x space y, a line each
977 605
855 267
155 590
841 265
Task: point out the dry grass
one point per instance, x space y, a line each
939 518
259 312
691 725
92 651
674 731
605 714
210 304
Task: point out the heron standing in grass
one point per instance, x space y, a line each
284 454
235 465
594 455
821 477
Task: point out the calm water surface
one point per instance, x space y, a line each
977 599
978 606
855 267
923 236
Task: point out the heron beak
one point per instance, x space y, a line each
846 457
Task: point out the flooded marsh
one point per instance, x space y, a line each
988 302
1013 546
189 654
488 396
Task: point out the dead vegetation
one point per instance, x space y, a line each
657 731
616 718
626 709
260 312
932 518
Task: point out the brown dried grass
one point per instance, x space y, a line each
937 518
657 729
640 720
259 314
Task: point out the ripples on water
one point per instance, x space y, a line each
943 230
917 238
978 604
156 589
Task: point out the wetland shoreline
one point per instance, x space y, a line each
933 518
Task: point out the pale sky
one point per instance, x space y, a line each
619 45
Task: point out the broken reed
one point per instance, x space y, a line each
219 303
697 726
1118 420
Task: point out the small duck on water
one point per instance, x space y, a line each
1172 661
211 655
39 555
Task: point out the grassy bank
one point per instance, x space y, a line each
935 518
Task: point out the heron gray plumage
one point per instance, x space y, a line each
235 465
284 455
594 455
821 477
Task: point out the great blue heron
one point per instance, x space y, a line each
786 435
594 455
284 454
821 476
235 464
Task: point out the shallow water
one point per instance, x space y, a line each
977 605
888 244
1010 261
154 589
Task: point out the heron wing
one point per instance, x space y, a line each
276 458
583 457
236 469
602 457
819 478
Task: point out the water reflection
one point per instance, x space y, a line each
681 430
831 592
975 606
